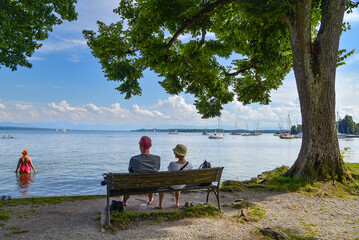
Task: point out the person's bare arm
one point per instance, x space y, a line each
18 165
32 165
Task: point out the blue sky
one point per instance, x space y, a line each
66 84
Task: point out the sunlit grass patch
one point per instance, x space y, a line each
253 213
277 181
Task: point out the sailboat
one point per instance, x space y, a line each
205 132
287 135
64 130
256 132
216 135
174 132
246 134
235 132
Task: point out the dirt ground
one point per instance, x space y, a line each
318 218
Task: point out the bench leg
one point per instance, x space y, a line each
108 210
217 196
208 191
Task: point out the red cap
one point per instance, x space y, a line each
145 142
24 152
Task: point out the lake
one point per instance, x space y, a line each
72 163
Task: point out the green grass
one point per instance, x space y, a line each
276 181
4 215
121 220
44 200
353 169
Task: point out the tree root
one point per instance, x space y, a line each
276 234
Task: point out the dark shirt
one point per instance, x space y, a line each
144 164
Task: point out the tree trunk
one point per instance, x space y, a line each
314 64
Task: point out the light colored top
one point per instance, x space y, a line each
174 166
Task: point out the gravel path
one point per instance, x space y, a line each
320 218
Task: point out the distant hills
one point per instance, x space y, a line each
102 127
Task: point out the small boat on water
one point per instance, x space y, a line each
174 132
205 133
351 136
235 133
286 135
64 130
216 136
298 135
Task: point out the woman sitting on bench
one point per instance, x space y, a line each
180 151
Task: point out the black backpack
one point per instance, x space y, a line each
116 206
205 164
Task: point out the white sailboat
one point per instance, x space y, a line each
246 134
205 132
64 130
216 135
235 132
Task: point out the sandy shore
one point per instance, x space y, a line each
321 218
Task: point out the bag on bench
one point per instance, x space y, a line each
205 165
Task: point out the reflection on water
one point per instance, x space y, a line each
24 182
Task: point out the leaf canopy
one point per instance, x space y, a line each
188 42
25 22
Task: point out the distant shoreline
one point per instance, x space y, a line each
179 130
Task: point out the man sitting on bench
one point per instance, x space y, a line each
144 163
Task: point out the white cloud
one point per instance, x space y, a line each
62 44
148 113
63 106
352 17
22 107
93 108
2 106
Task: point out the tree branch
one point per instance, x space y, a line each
205 21
204 11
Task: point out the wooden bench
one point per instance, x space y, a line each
142 183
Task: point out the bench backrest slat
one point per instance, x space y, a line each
117 181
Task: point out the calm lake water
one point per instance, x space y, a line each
72 163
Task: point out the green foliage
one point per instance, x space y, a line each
121 220
185 41
23 23
347 125
250 34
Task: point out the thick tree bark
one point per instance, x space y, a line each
314 66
